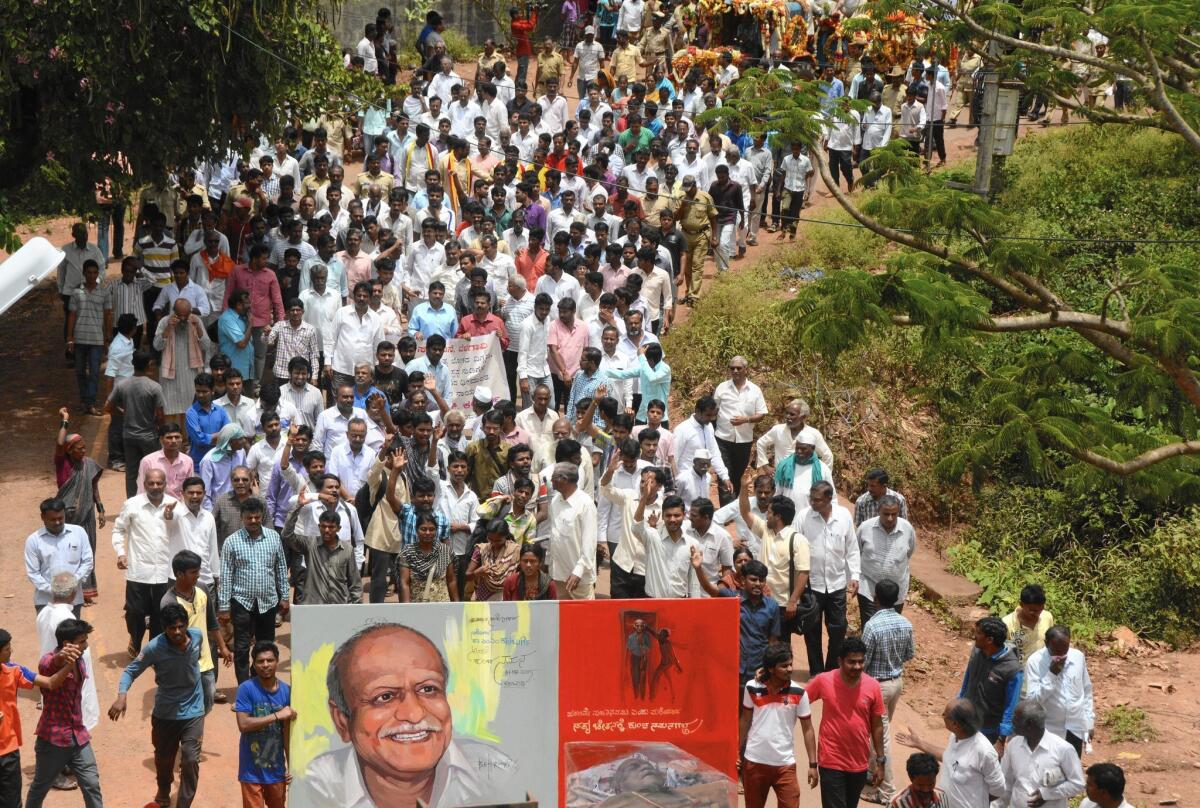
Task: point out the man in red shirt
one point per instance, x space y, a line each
13 678
851 719
266 303
521 28
481 321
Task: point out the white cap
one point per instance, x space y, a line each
808 436
702 454
483 394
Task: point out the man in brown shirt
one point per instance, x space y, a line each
697 217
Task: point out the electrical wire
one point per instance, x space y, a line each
777 219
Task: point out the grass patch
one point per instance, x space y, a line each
1126 724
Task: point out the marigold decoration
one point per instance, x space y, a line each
706 60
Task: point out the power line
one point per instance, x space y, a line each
776 219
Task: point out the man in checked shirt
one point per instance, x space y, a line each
889 641
254 584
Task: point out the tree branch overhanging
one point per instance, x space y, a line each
1143 461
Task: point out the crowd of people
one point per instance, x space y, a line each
281 409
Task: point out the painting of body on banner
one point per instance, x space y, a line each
647 701
472 362
440 705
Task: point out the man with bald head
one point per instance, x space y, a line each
971 776
388 700
740 405
142 545
184 343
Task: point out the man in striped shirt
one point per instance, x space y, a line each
771 705
156 250
85 334
124 296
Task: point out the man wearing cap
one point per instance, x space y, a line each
589 58
698 218
893 91
654 40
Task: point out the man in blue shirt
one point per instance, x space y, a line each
263 709
204 420
431 364
760 623
434 316
177 720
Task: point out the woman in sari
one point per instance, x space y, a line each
78 478
493 561
530 582
427 568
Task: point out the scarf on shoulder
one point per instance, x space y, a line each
218 268
195 357
785 473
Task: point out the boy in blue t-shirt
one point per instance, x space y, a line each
264 714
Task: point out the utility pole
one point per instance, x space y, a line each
988 121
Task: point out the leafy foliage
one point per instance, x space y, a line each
160 84
1095 375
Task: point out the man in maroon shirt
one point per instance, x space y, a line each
266 303
62 739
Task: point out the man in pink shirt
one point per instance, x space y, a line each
356 262
481 322
171 460
851 719
266 304
565 342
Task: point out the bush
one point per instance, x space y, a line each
1101 561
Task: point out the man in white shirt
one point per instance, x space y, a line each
538 420
1040 768
426 262
332 424
843 135
935 111
440 85
740 405
589 56
366 49
668 548
886 544
56 547
350 461
696 433
1056 677
1105 787
140 540
834 573
194 528
629 17
797 175
356 331
971 776
716 548
780 440
554 107
876 131
321 305
573 536
533 363
913 119
462 112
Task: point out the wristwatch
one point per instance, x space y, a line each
881 760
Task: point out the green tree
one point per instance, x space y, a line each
1086 384
158 84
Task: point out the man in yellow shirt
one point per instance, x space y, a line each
550 64
626 58
374 176
1028 623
